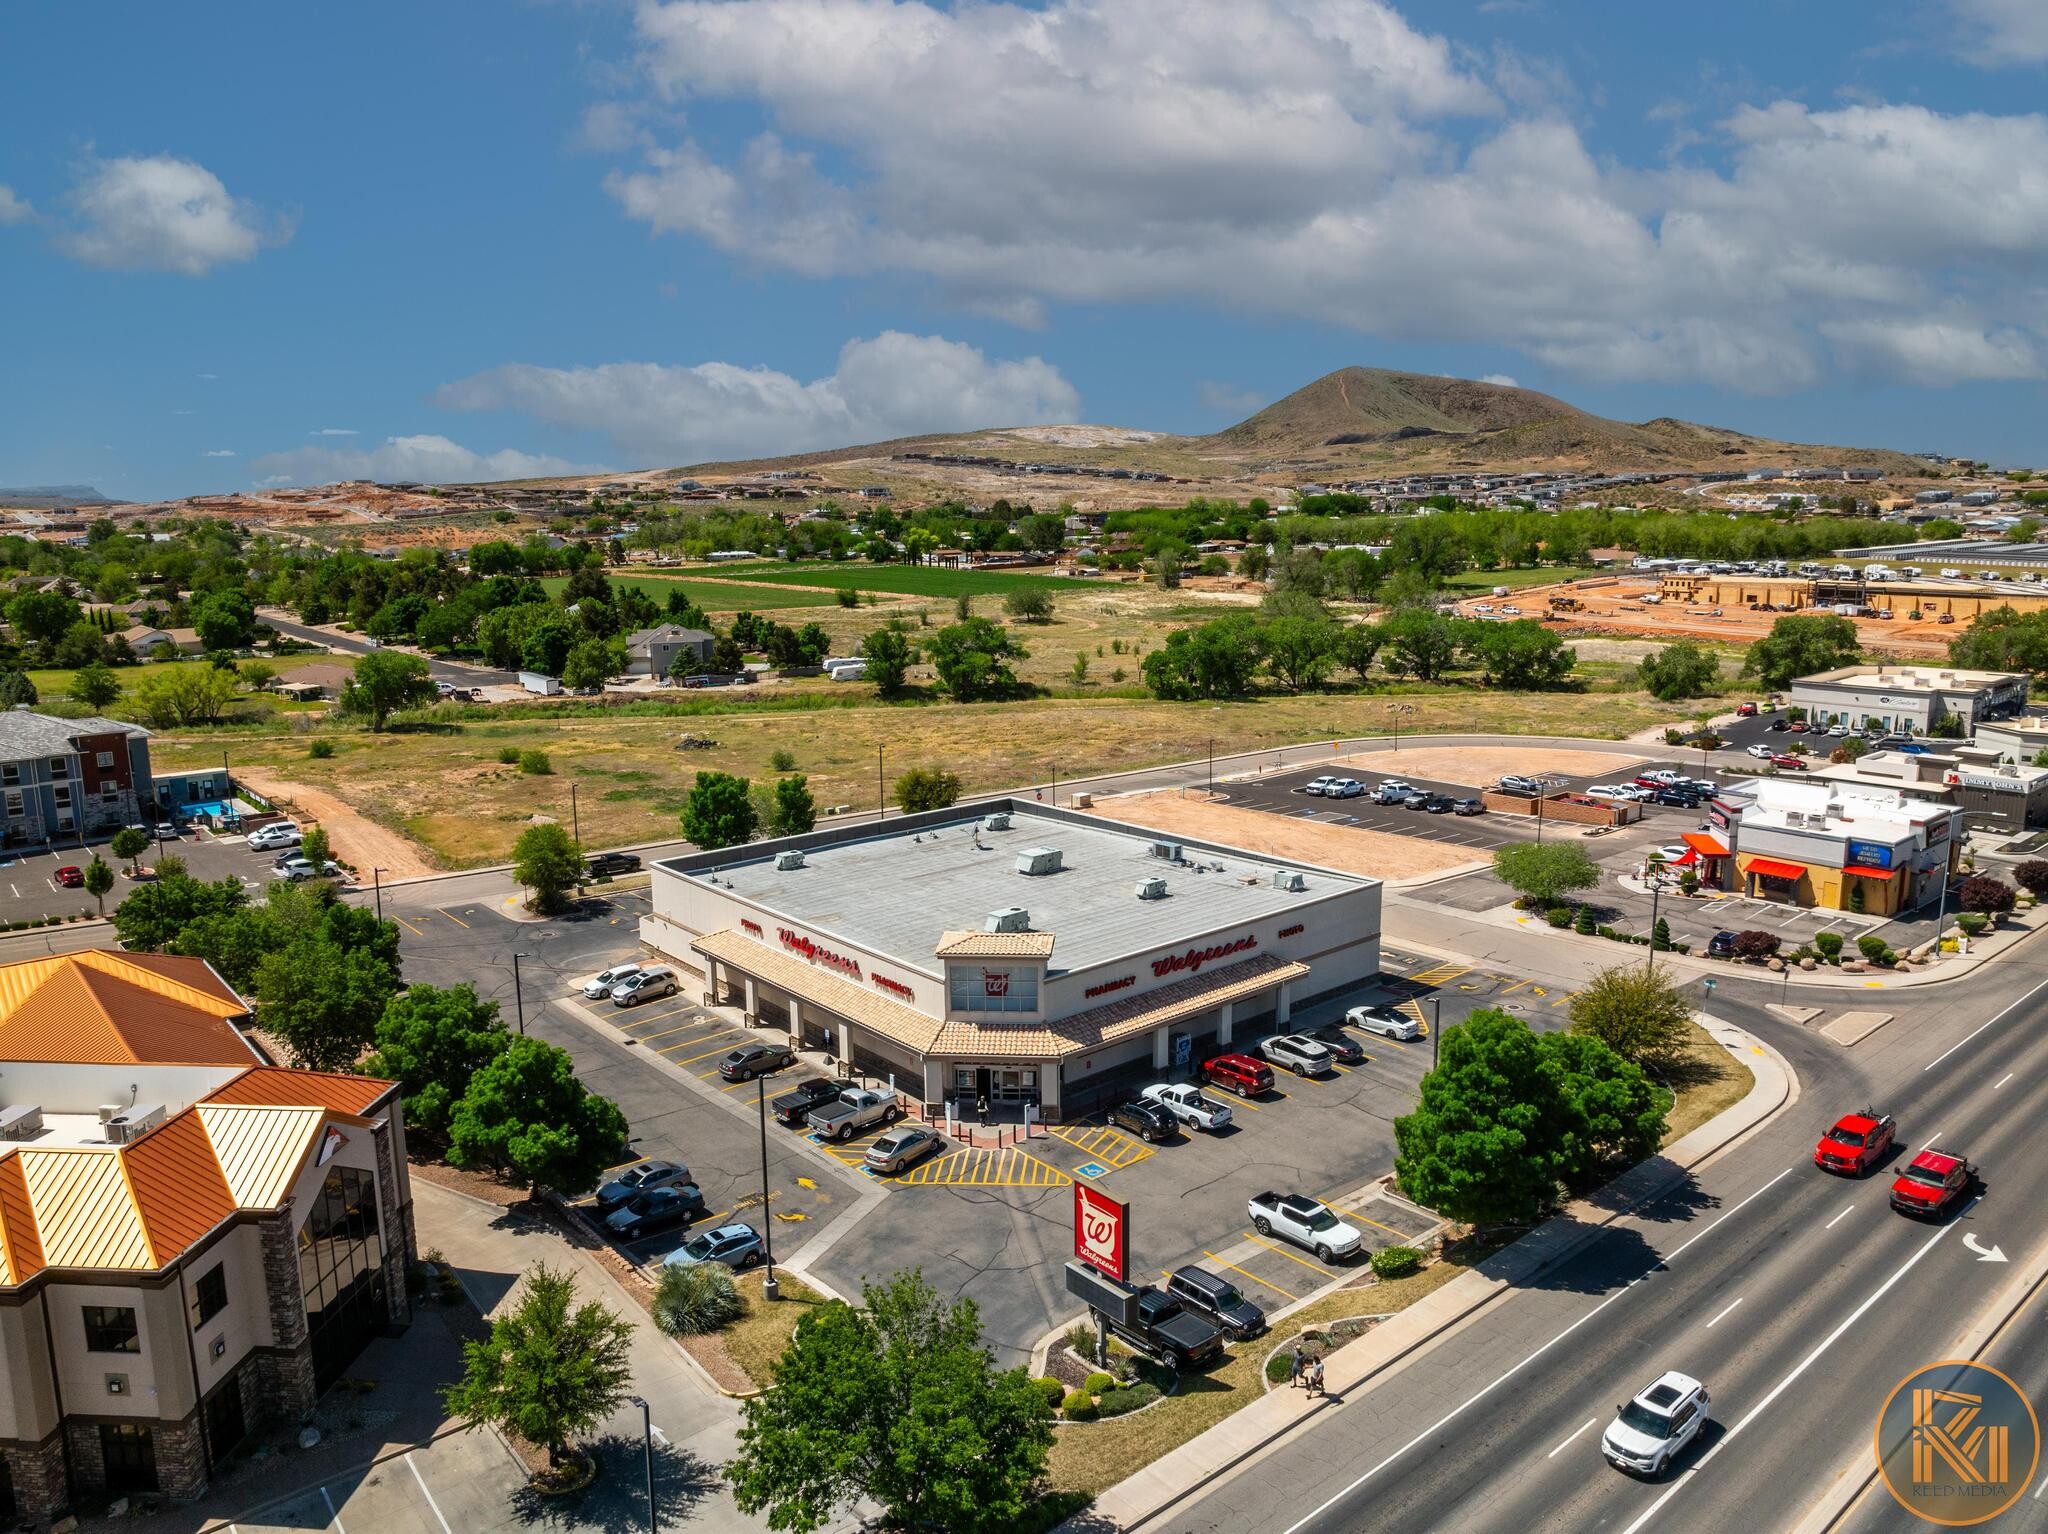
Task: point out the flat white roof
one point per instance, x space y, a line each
1842 808
1908 678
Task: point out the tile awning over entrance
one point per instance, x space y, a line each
1705 845
1772 869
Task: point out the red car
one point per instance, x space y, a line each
1856 1143
1240 1073
71 877
1789 763
1932 1182
1745 711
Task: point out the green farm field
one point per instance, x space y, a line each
713 596
905 580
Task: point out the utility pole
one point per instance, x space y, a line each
519 995
377 882
1654 869
770 1290
575 821
1212 764
1436 1028
1055 784
881 798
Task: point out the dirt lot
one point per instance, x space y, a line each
1477 766
1611 608
356 840
1376 854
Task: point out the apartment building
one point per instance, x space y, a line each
70 779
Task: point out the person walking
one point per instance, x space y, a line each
1315 1376
1294 1374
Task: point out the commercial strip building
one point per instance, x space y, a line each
193 1242
1014 951
1834 845
1909 699
68 779
1997 796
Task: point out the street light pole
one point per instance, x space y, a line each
881 798
377 883
1436 1028
575 821
770 1290
647 1444
518 994
1656 873
1212 764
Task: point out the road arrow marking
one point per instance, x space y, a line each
1984 1254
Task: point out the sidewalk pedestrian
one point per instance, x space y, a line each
1315 1376
1294 1374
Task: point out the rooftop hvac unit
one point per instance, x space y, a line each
1291 880
789 859
1151 889
23 1123
126 1128
1038 860
1011 918
1170 851
108 1110
999 820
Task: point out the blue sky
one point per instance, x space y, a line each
264 244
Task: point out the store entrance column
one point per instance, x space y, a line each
1223 1022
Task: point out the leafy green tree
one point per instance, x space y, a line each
890 655
1029 605
81 645
1418 642
1543 872
1610 1114
1521 653
593 662
156 912
2003 640
129 843
1358 645
256 675
431 1040
41 617
16 689
526 1115
719 812
1300 651
1638 1012
896 1400
224 620
793 811
99 878
184 695
547 861
385 682
323 1000
1217 659
1680 670
926 788
315 848
972 659
550 1370
1800 646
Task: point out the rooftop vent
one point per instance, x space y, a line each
1291 880
792 858
126 1128
1038 860
1151 889
20 1123
1170 851
998 821
1011 918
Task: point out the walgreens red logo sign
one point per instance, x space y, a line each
796 942
1102 1232
1195 958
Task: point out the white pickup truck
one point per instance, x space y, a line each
1187 1104
858 1108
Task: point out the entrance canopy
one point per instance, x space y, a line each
1772 869
1871 873
1706 846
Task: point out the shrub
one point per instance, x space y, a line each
1973 922
1098 1382
1279 1367
1080 1406
1609 932
1871 946
1584 924
1054 1392
1755 945
320 750
508 756
1981 892
1081 1339
1830 946
848 597
1889 957
691 1301
1660 935
1558 916
2032 876
1115 1403
782 761
535 763
1395 1262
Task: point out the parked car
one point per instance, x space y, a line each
1320 785
648 985
1339 1043
1306 1222
167 830
1217 1300
1143 1118
1779 724
1649 1432
1439 804
279 833
1298 1052
1932 1183
1789 763
1468 807
737 1246
1187 1104
756 1059
605 981
1721 946
1384 1021
1414 799
1761 753
70 876
603 865
1676 798
1392 791
855 1108
1516 784
640 1177
901 1149
1856 1143
1166 1329
1242 1074
1344 788
656 1210
300 868
794 1107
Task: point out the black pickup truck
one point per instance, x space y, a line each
795 1107
1167 1330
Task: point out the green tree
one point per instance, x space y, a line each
1418 642
315 848
593 662
322 999
1680 670
547 861
1300 651
1030 605
431 1040
156 912
926 788
16 689
1543 872
184 695
1800 646
896 1400
550 1370
526 1115
1217 659
41 617
129 843
2003 640
718 812
1638 1012
96 686
1520 654
793 811
225 620
890 655
1358 645
99 878
972 659
385 682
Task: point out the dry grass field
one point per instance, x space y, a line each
1385 855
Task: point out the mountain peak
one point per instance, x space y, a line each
1359 404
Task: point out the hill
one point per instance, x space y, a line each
47 497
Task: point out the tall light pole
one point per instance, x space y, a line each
575 821
1436 1028
770 1290
881 796
647 1446
1212 764
377 883
518 994
1654 868
1397 710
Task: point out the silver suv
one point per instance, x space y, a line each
1649 1432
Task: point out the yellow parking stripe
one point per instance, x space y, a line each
407 925
1264 1283
661 1017
649 1038
1283 1252
1005 1168
725 1047
1104 1143
454 918
1441 975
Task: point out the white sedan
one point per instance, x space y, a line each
1761 753
1384 1021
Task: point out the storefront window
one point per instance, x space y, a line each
977 988
340 1266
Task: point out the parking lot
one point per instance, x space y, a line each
28 880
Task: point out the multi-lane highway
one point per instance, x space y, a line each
1799 1298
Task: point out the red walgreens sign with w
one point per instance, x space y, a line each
1102 1232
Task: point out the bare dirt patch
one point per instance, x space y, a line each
1479 765
355 838
1376 854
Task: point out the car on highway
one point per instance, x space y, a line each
1468 807
1934 1181
794 1106
1339 1043
737 1246
1760 752
279 833
901 1149
658 1209
1187 1104
1320 785
1721 945
1855 1143
1240 1073
1789 763
1392 791
605 981
640 1177
1217 1300
603 865
1143 1118
70 876
1384 1021
1306 1222
1298 1053
648 985
756 1059
1649 1432
1439 804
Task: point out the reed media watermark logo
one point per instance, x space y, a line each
1957 1443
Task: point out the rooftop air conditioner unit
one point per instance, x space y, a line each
1291 880
997 821
1170 851
108 1110
23 1123
789 859
1038 860
1011 918
1151 889
126 1128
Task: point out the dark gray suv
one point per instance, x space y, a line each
1217 1299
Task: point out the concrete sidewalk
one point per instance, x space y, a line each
1133 1503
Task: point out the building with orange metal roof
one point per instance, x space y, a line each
193 1242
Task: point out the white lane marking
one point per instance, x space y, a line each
1936 1136
331 1513
1994 1087
1724 1314
1553 1454
1514 1369
1959 1043
1804 1364
1838 1219
415 1469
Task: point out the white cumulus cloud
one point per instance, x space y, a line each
220 452
14 209
1500 378
889 386
427 458
2004 31
161 213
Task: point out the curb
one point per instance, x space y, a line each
1554 1242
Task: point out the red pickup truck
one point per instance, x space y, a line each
1856 1142
1932 1183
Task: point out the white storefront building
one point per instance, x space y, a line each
1013 951
1909 699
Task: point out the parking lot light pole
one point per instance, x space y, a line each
1655 868
647 1445
575 821
519 995
1397 710
770 1290
377 883
881 796
1436 1028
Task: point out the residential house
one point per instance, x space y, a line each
653 652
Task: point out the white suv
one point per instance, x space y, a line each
1321 785
1647 1434
279 833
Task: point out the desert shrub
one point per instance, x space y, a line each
508 756
1755 945
1395 1261
1079 1407
1558 916
691 1301
1871 946
320 750
1081 1339
1830 946
1098 1382
782 761
1115 1403
535 763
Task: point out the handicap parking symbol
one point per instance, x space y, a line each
1091 1169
